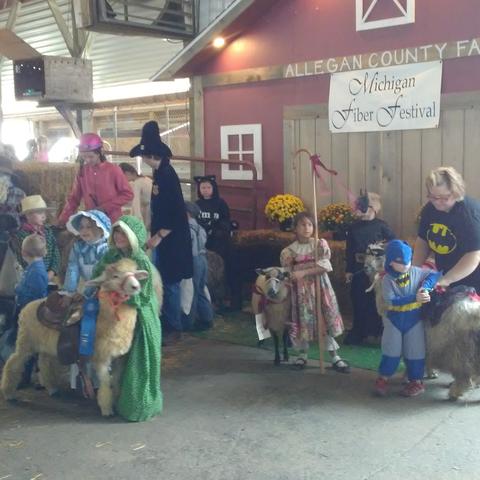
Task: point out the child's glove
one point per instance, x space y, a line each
430 281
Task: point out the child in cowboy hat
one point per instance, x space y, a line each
34 211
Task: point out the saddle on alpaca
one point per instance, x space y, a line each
115 328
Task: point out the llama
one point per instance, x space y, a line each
374 268
452 326
271 296
114 334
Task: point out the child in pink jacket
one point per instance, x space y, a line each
100 184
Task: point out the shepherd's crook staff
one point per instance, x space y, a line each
321 327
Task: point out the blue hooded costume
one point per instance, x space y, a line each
403 330
85 255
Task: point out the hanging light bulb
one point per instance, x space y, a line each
219 42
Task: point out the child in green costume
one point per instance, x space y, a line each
140 396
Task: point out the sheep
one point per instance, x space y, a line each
114 334
216 277
452 332
272 297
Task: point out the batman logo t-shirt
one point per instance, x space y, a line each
450 235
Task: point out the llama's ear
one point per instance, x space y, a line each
96 282
141 274
259 271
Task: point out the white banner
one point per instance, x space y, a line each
404 97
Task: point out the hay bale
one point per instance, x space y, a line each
266 245
53 181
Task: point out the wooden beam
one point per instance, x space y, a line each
233 11
326 66
197 129
11 20
13 14
80 38
63 27
67 114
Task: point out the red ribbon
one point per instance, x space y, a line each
317 167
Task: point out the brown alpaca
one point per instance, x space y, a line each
114 334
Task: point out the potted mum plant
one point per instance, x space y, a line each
336 218
282 208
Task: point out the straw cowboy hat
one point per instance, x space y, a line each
34 203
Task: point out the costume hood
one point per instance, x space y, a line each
212 179
397 251
135 231
101 221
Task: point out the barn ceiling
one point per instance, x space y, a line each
117 60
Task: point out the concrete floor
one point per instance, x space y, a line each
230 414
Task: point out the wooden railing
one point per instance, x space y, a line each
214 161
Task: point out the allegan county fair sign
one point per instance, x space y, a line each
404 97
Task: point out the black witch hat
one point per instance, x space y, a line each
151 143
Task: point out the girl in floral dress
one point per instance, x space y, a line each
299 257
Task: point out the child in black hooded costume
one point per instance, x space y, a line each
214 215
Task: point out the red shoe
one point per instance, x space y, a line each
413 388
380 387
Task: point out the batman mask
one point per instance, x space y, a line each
361 203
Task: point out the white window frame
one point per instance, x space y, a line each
254 129
362 14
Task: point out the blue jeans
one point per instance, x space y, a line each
171 309
201 312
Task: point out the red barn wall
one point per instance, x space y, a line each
301 30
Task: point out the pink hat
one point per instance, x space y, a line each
89 142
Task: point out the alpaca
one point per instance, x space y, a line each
271 296
452 331
114 334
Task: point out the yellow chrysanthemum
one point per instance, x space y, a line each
335 216
282 207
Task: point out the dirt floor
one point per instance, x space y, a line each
230 414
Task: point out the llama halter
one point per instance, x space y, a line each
114 299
